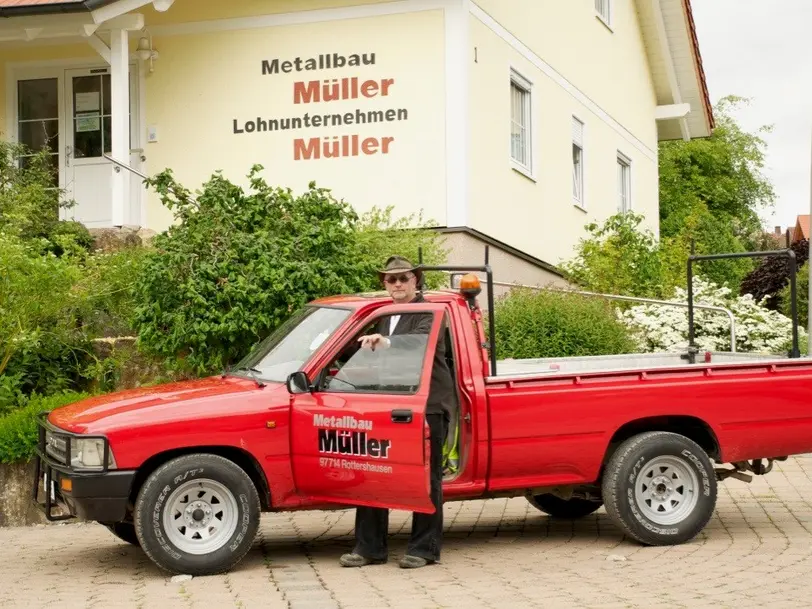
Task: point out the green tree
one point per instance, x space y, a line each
721 174
618 257
711 193
712 190
710 235
801 297
239 261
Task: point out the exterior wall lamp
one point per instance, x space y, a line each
145 52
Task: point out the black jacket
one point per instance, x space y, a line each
442 394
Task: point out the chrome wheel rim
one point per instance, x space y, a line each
666 490
200 516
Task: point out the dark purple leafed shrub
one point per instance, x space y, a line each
772 274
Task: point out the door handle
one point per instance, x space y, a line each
401 416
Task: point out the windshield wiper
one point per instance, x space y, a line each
253 371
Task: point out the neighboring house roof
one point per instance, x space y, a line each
801 228
672 46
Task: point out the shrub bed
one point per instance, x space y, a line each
536 324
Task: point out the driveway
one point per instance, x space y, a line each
498 553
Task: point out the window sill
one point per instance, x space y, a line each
577 205
522 170
605 23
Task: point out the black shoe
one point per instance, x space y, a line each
356 560
414 562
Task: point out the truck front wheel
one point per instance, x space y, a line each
563 508
660 488
125 531
197 515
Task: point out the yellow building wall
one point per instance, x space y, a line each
208 96
539 216
609 66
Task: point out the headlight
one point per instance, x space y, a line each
88 453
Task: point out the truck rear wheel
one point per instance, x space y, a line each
660 488
563 508
197 515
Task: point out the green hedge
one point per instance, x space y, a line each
18 430
533 324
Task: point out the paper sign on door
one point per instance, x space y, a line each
87 102
89 121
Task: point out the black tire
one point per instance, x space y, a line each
660 509
231 499
125 531
568 509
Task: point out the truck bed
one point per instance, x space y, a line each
633 361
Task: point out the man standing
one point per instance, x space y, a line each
372 524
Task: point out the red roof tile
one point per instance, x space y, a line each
802 226
700 70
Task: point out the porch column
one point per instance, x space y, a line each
120 124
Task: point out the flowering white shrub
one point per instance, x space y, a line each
660 328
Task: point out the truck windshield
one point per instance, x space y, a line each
288 348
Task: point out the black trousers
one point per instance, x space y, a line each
372 524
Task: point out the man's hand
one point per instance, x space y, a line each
374 341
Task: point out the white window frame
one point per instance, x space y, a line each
603 11
520 82
624 161
578 139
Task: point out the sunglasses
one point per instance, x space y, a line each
392 279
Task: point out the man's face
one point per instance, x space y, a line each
402 286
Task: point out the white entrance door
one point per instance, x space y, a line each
88 175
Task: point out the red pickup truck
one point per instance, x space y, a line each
309 421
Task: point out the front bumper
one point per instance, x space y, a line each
101 495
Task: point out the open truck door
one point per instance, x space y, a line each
358 426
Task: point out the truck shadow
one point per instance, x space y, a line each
531 532
278 546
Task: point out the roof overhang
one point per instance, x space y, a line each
672 46
69 19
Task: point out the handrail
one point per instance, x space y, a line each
665 303
125 166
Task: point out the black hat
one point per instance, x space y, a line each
398 264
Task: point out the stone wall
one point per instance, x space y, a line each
16 507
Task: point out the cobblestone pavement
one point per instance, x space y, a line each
498 553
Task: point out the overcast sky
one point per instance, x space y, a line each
762 49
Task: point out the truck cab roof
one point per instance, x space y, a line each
363 299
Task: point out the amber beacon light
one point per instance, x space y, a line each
470 286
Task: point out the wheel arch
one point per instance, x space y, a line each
691 427
240 457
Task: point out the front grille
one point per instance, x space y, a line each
56 447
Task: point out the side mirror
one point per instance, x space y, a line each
298 383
